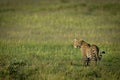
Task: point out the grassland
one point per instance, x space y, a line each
36 39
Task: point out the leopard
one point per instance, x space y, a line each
90 52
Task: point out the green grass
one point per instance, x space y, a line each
36 39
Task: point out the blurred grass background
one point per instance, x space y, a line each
36 39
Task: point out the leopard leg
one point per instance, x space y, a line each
88 61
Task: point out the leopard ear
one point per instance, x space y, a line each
81 41
75 40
